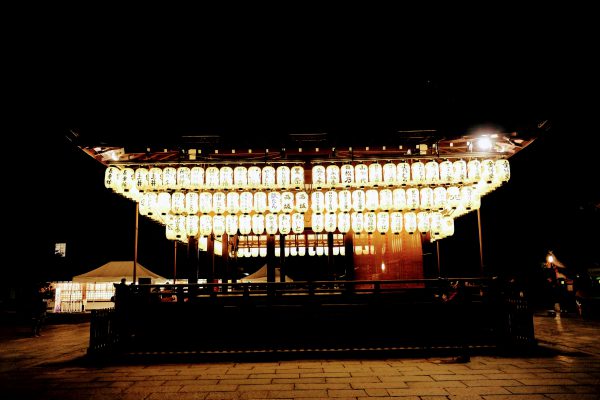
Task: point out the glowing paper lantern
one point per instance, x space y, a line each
426 201
144 208
274 202
345 200
285 224
246 202
331 201
467 196
297 223
347 175
417 173
383 222
268 177
287 202
389 174
240 177
332 175
152 203
453 197
370 220
258 224
245 224
396 222
283 176
372 200
297 177
410 222
302 202
192 225
403 173
446 172
361 175
163 204
318 176
386 199
439 198
435 220
375 174
317 223
358 200
447 226
343 222
474 171
197 177
459 171
218 225
231 224
487 171
271 224
219 202
177 202
412 198
111 177
317 202
330 222
254 177
141 179
423 222
155 179
502 170
205 225
226 178
127 179
399 199
205 202
184 178
169 177
260 202
357 219
233 202
432 172
262 252
212 177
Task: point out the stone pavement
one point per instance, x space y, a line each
53 367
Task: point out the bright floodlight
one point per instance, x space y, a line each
484 143
550 259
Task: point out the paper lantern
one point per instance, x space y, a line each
180 230
331 201
271 223
302 202
502 170
170 228
358 200
423 222
396 222
268 177
410 222
260 202
245 224
231 224
205 225
474 171
287 202
192 225
370 222
144 208
375 174
345 200
432 172
347 175
184 178
254 177
262 252
317 202
318 176
297 177
285 224
439 198
330 222
219 202
487 171
169 177
412 198
372 200
293 251
233 202
343 222
127 179
389 174
357 220
417 173
240 177
226 178
383 222
218 225
177 202
246 202
205 202
459 172
318 222
453 197
212 177
155 179
446 172
447 226
467 195
141 179
320 250
297 223
152 203
283 176
399 196
435 223
274 202
332 175
258 224
386 199
111 177
197 177
361 175
426 199
403 173
254 252
163 204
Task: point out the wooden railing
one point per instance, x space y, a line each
104 334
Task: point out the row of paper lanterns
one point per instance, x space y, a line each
179 227
312 245
348 175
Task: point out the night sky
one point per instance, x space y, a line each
550 203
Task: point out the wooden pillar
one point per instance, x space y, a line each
210 259
271 258
330 266
193 265
233 260
437 252
349 257
175 259
480 243
135 244
226 273
282 258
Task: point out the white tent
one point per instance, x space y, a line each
261 276
113 271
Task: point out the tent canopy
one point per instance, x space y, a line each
261 276
113 271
